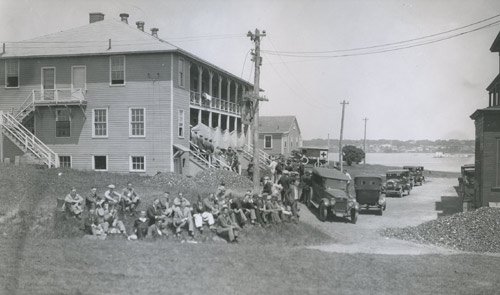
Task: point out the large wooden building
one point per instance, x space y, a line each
487 161
108 96
279 134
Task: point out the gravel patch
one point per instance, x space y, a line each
475 231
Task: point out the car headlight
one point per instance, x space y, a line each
332 202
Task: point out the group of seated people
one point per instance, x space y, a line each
222 212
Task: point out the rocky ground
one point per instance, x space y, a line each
476 231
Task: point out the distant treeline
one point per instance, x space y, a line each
391 145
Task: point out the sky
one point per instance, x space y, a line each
422 92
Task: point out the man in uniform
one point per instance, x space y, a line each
306 186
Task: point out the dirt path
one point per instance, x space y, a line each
427 202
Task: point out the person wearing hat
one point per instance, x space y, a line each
226 226
182 217
260 209
249 207
141 225
114 224
74 203
112 197
293 199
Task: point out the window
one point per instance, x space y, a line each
137 122
138 164
12 73
180 123
268 142
65 161
117 70
63 123
100 163
181 72
100 123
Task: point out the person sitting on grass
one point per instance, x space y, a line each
284 214
131 199
167 211
74 203
237 213
273 209
182 217
91 199
115 225
212 205
92 225
113 198
226 227
201 215
260 210
155 216
178 200
249 207
141 226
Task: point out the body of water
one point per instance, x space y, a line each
449 163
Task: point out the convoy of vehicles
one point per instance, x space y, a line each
329 193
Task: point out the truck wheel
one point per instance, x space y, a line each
354 216
323 211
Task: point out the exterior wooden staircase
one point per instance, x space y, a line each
199 158
24 139
264 157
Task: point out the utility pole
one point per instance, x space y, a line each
257 59
364 142
328 151
341 162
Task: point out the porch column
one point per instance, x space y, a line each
200 76
220 87
209 118
490 99
219 120
227 122
236 96
228 90
199 116
210 88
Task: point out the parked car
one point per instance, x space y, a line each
398 183
329 193
417 173
312 156
368 188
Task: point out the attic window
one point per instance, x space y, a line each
117 70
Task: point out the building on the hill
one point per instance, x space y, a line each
487 161
108 96
279 134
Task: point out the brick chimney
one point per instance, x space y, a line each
154 32
140 25
124 17
96 17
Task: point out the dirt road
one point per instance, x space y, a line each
435 198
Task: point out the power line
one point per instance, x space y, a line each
385 50
394 43
318 57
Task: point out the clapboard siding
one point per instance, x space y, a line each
118 146
276 143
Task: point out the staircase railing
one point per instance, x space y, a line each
213 162
263 156
26 108
25 139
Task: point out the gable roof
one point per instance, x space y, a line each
276 124
93 39
495 47
88 40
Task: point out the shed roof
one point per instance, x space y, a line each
276 124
